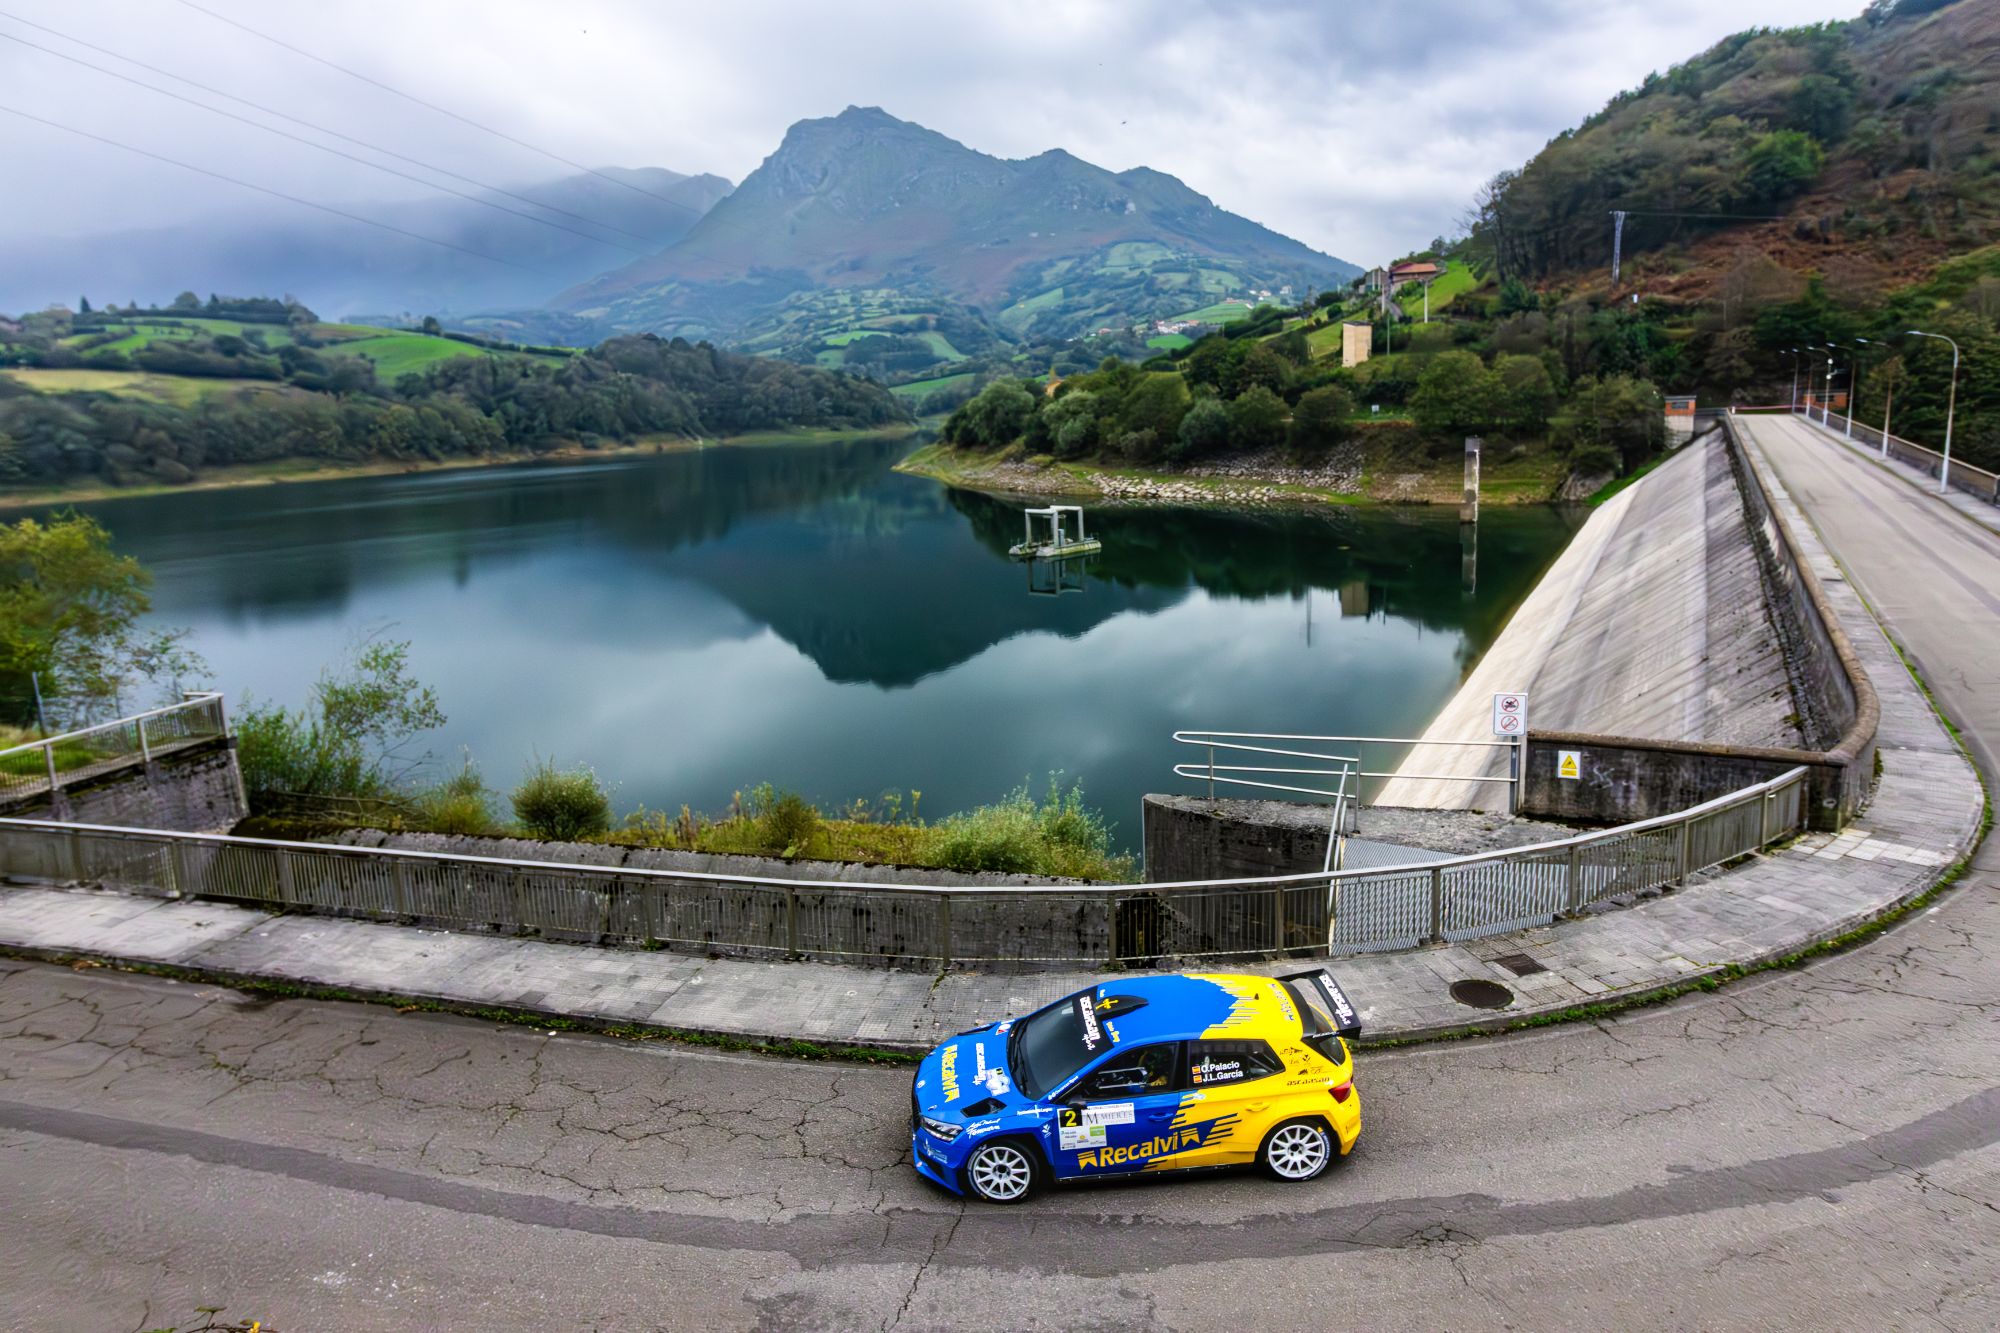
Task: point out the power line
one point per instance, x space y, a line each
263 189
296 138
322 129
432 106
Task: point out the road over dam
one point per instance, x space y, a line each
1804 1147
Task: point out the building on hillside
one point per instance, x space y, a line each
1375 279
1680 419
1403 274
1357 342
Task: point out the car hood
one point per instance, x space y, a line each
969 1070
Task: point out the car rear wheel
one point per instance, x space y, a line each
1297 1150
1001 1171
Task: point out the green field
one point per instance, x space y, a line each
1170 342
941 346
178 389
1457 280
396 354
922 388
842 339
1222 312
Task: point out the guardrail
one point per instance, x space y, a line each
1964 477
46 766
1343 765
918 925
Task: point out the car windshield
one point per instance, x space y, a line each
1048 1048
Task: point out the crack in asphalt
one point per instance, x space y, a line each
1076 1244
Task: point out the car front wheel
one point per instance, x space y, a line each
1001 1171
1297 1150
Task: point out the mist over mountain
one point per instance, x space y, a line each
865 201
342 268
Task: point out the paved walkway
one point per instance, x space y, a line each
1924 815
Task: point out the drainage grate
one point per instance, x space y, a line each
1520 964
1482 994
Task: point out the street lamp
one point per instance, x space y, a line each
1826 400
1795 354
1951 407
1854 386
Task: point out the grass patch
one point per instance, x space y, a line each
924 388
398 354
1170 342
182 390
1222 312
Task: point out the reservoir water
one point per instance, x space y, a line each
691 624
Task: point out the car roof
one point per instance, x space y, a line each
1194 1005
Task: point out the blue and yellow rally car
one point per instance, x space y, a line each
1145 1074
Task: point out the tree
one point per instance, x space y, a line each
343 743
1322 419
1157 403
1616 412
83 305
431 325
186 301
1205 430
1257 418
996 417
69 612
1822 107
1455 393
1071 421
1525 393
1780 164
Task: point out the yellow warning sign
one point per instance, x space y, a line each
1569 765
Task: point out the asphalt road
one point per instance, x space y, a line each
1807 1149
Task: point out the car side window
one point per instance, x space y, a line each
1135 1073
1220 1063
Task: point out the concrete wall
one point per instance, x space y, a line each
196 789
1624 778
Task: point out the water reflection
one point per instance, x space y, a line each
694 622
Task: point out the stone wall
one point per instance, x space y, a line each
195 789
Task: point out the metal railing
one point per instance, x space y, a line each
920 925
1964 477
45 766
1212 772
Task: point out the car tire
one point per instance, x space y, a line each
1297 1150
1002 1171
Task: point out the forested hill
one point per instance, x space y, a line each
1862 150
155 396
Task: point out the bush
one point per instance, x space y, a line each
788 821
461 804
1204 430
1594 460
1016 836
349 739
562 805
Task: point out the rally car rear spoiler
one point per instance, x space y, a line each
1346 1019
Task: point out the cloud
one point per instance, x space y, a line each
1360 129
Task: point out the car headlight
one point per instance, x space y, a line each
943 1129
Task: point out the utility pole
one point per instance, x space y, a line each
1795 377
1617 242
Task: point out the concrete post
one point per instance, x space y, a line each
792 922
49 757
145 750
1686 841
1468 509
1437 908
178 883
1573 880
944 930
405 900
284 860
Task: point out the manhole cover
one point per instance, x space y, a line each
1520 964
1482 994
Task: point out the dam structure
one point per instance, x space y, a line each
1655 624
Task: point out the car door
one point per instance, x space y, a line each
1234 1096
1119 1114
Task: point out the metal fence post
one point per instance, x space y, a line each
792 922
1211 772
49 755
285 894
1686 841
1764 819
1437 908
145 750
1278 917
1573 879
944 930
178 880
400 873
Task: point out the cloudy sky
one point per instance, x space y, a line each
1360 128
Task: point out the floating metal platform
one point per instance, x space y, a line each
1061 542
